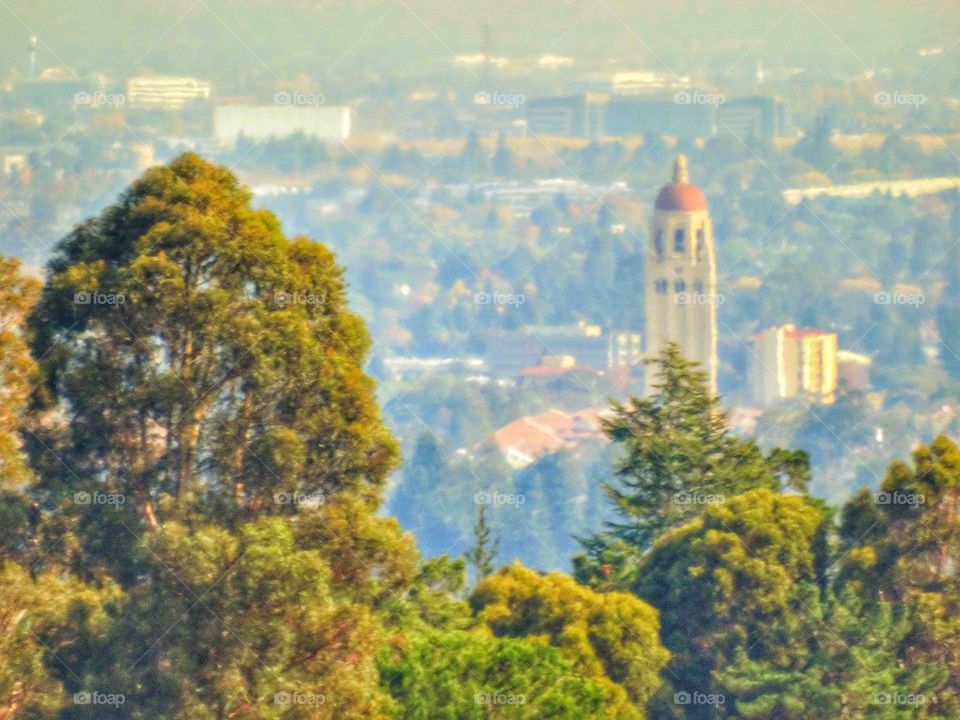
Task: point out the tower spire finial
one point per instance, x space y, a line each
680 169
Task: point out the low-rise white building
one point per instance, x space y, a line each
166 91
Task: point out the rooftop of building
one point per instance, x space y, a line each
792 331
535 435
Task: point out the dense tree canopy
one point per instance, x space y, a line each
17 367
728 581
466 676
209 364
200 521
612 637
191 466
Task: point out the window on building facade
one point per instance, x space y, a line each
678 241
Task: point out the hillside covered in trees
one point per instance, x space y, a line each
192 468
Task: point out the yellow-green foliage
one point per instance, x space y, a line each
612 637
17 369
45 622
720 580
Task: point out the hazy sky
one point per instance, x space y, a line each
281 38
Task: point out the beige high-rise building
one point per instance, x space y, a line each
681 293
788 362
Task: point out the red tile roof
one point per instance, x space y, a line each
537 435
681 196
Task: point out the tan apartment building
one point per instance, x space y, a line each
789 362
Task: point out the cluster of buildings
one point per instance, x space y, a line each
537 356
524 196
683 300
687 113
561 347
632 103
60 91
598 105
786 362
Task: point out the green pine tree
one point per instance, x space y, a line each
483 553
678 456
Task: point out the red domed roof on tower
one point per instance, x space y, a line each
681 195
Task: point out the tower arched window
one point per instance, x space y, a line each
658 245
679 286
679 241
661 287
701 240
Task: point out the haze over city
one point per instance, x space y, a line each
398 359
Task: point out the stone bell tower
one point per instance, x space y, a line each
681 277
